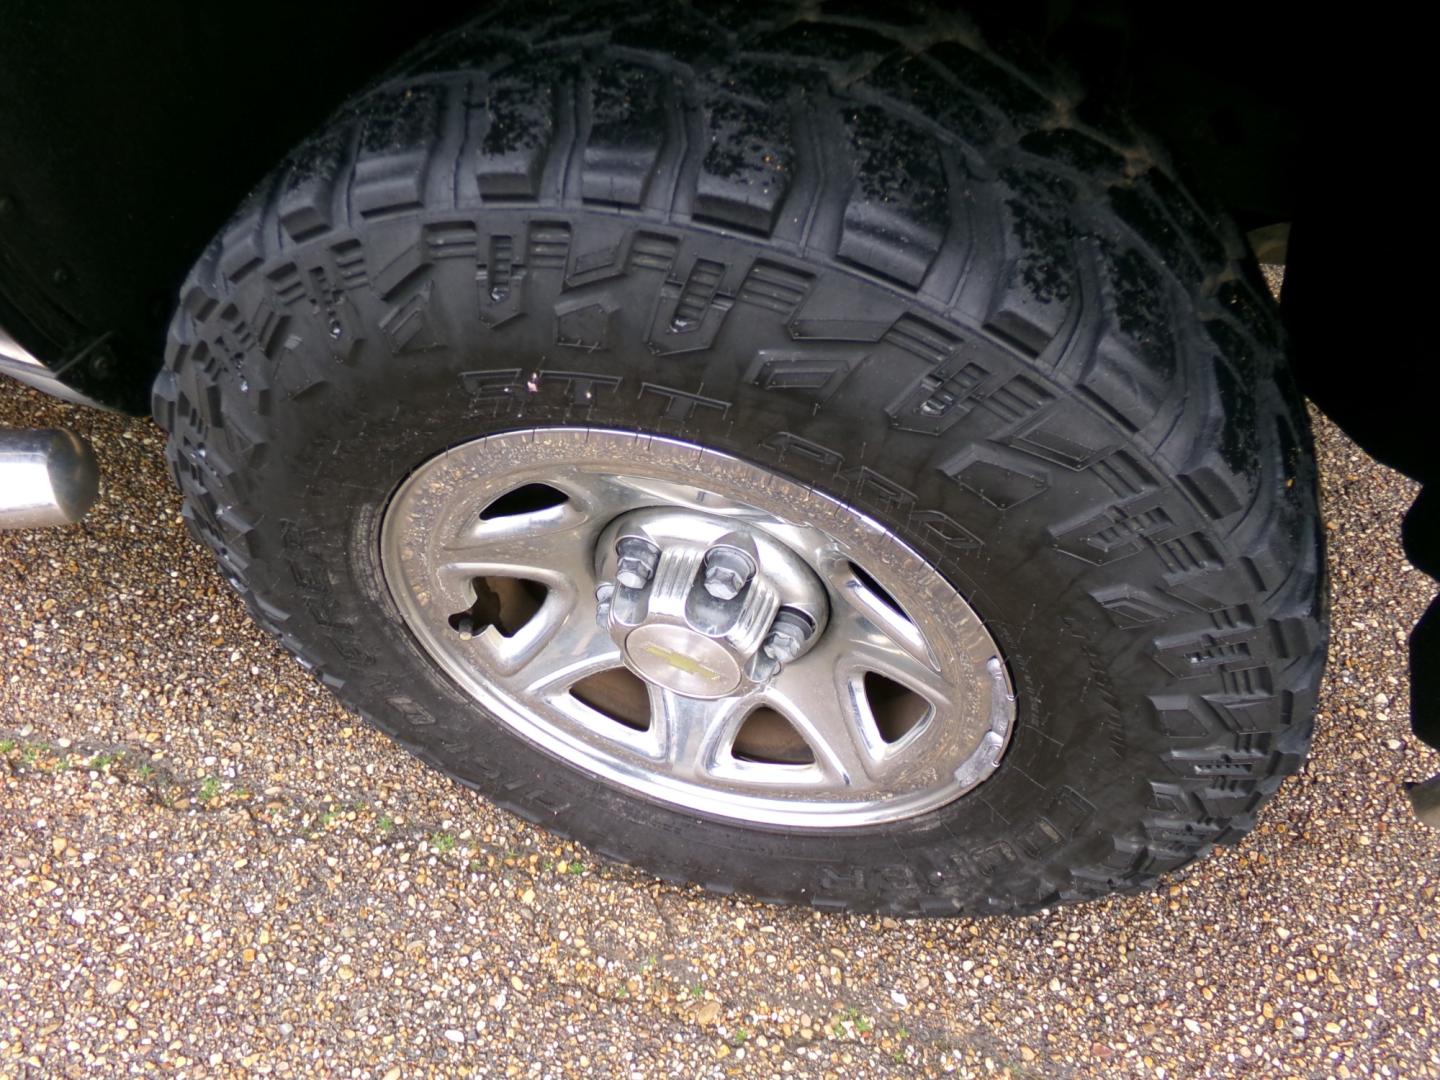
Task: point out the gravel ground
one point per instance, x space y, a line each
207 868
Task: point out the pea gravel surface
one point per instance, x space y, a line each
209 868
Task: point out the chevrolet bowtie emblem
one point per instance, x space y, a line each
679 660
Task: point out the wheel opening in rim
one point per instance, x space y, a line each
506 603
526 499
878 591
897 709
768 738
618 694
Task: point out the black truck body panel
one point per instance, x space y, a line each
128 135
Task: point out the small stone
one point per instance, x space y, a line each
454 1035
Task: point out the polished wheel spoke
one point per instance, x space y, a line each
544 545
858 645
576 649
693 733
825 706
823 693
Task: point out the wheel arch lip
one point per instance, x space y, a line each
24 366
13 351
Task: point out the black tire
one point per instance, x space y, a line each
875 259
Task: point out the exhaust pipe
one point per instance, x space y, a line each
48 476
1425 800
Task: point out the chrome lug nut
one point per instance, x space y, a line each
604 594
727 571
637 561
788 634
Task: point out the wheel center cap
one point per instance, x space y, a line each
703 608
682 660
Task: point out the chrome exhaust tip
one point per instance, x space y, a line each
48 476
1425 800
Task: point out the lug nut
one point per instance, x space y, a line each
727 571
637 561
604 594
788 634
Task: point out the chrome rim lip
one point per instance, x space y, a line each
608 472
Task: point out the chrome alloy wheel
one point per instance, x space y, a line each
696 629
